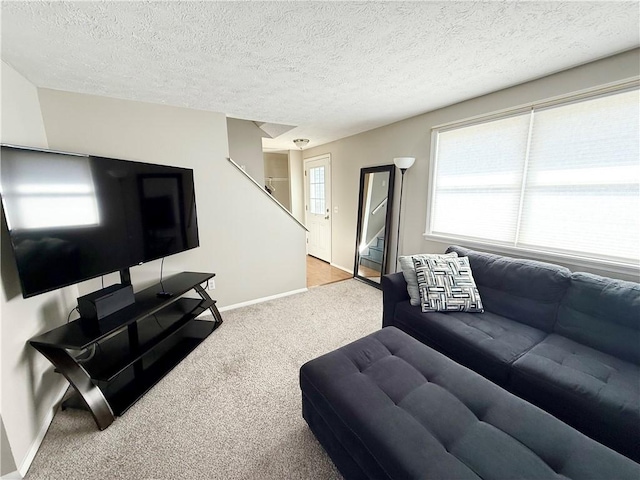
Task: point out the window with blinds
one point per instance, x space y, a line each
561 179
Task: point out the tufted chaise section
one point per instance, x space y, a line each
587 373
567 342
590 390
387 406
487 342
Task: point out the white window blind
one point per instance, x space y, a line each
480 173
561 179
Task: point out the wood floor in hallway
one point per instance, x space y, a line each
321 273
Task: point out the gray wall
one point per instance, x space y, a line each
245 146
412 137
243 235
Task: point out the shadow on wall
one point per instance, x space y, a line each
8 269
7 464
41 383
28 318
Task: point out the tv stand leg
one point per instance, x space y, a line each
90 394
213 309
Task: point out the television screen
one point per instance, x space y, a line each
74 217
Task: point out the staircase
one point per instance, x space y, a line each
372 255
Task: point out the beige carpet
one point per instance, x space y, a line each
232 409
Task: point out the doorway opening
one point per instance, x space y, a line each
317 210
320 272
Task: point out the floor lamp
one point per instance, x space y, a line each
403 163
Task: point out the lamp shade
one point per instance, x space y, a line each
404 162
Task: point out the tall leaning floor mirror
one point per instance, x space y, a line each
374 223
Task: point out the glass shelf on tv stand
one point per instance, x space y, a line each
128 352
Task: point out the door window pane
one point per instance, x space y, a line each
316 191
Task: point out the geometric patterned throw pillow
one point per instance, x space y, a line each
447 285
409 272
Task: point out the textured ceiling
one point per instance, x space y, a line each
331 68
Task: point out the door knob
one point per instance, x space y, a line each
327 217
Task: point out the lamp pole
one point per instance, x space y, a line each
402 170
403 163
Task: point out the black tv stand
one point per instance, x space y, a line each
114 361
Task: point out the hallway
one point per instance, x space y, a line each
321 273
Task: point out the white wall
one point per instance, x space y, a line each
412 137
21 118
245 146
244 237
29 388
296 184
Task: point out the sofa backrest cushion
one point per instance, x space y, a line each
524 290
602 313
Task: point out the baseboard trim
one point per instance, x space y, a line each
15 475
348 270
261 300
35 446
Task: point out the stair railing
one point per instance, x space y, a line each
284 209
375 210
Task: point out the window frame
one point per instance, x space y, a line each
630 269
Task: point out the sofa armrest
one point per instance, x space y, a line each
394 290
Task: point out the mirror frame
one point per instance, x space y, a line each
387 231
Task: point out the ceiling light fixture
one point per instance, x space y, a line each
301 142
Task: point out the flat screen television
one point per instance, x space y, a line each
74 217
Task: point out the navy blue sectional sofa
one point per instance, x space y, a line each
389 407
566 342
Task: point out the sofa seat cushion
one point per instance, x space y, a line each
485 342
595 392
391 407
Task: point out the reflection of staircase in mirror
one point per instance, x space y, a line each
372 255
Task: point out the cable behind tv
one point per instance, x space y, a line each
162 293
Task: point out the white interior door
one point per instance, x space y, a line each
317 182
